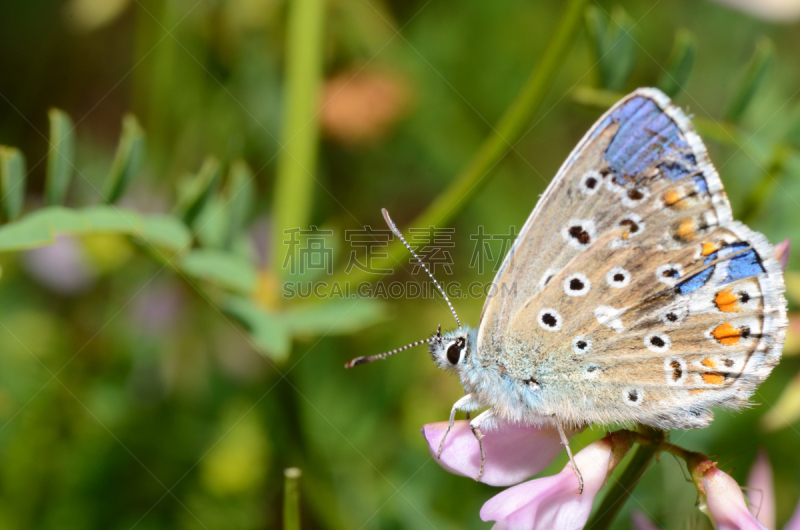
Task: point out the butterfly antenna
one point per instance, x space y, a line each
365 360
439 287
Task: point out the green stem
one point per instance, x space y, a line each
297 161
507 132
291 499
623 487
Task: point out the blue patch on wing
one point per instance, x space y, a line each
695 282
744 265
645 136
677 171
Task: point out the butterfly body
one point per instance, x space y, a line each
630 295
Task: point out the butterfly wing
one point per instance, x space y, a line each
630 294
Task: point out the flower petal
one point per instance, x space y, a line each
553 502
760 494
782 252
794 522
725 503
513 452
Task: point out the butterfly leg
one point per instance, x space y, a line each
565 443
467 403
484 417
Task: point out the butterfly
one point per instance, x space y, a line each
630 295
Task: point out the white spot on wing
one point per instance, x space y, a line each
577 285
590 371
633 396
615 282
674 316
632 203
669 274
579 226
672 371
546 277
609 317
549 319
633 223
586 186
657 342
581 345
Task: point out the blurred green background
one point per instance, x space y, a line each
153 376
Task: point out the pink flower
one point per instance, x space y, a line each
513 452
725 503
63 267
794 522
554 502
782 250
760 494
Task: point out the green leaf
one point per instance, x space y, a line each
240 193
751 79
614 46
679 64
58 219
334 317
128 160
193 193
111 219
270 334
165 231
40 228
60 157
223 268
24 234
12 181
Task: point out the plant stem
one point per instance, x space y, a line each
507 132
623 487
291 499
297 162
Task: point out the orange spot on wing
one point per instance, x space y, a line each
726 301
685 228
671 197
726 334
709 248
713 378
697 390
709 362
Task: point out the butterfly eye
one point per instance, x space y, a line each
454 352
